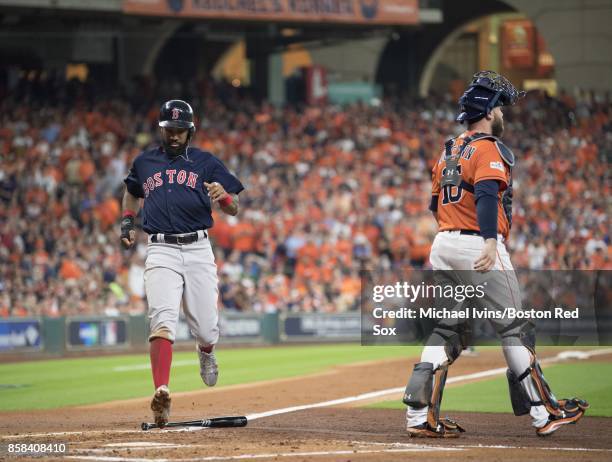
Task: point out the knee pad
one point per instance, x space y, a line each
453 342
523 331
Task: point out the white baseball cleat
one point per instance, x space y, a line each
160 405
209 371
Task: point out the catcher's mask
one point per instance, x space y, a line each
487 90
179 115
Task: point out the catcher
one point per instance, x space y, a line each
472 203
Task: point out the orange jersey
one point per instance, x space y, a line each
481 160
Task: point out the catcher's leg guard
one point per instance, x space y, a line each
418 390
426 384
425 388
433 416
561 412
434 427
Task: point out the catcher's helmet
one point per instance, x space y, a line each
487 90
176 114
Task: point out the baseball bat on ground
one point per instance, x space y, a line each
215 422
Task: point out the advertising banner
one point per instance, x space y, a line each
233 327
96 333
22 334
354 92
316 85
339 11
320 326
518 46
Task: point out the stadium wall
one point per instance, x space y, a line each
61 335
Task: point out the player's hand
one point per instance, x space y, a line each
216 192
486 261
128 233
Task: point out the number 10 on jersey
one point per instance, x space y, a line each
451 194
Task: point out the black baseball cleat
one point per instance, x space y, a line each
446 428
572 411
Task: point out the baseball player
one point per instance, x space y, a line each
472 203
178 185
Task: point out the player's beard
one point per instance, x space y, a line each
497 127
174 151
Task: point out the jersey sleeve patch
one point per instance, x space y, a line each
506 153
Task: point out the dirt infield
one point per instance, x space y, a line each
341 432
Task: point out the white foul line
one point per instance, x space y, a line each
350 399
147 366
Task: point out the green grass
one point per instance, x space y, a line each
66 382
588 380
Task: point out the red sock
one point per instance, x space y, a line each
207 349
161 359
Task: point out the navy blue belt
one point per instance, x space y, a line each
178 239
469 232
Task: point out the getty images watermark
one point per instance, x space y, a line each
565 307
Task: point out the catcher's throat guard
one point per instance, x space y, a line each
451 174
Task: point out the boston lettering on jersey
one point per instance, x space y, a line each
156 180
175 199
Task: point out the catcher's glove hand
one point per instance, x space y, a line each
128 234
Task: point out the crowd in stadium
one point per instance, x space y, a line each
329 191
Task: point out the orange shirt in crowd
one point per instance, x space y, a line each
244 237
221 233
108 212
87 169
70 270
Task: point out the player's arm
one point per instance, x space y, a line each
231 208
435 191
485 193
489 178
433 205
227 202
130 206
224 188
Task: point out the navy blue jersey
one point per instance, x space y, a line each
175 198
